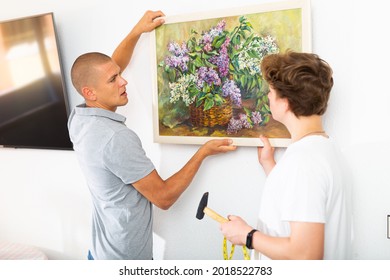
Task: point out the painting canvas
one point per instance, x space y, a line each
208 81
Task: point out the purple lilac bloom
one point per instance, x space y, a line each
256 117
209 36
221 25
234 126
244 121
208 47
179 57
222 60
230 89
207 39
208 75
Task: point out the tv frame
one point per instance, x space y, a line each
61 93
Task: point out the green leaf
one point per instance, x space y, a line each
246 28
198 62
206 88
199 102
247 111
209 64
193 90
218 41
190 45
191 68
218 99
198 49
205 56
266 119
252 82
243 80
193 55
242 19
236 39
208 104
253 54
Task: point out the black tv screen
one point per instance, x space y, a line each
33 105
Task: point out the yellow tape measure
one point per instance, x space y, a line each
225 254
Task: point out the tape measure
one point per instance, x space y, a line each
225 254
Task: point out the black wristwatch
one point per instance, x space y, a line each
249 239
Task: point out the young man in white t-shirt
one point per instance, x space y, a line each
303 210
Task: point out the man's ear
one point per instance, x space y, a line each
88 93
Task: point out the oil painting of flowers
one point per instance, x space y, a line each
208 76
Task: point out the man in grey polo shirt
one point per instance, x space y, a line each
122 180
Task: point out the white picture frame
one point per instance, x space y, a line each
287 24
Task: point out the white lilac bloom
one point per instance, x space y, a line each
260 45
180 89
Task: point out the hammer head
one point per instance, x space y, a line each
202 206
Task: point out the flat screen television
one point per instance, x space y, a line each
33 105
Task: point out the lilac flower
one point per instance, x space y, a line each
244 121
234 126
230 89
180 89
179 57
256 117
260 45
222 60
209 36
221 25
209 76
208 47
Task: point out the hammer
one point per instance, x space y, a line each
203 209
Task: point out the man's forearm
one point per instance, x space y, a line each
180 181
125 49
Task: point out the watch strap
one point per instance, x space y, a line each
249 239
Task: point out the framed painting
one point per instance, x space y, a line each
207 78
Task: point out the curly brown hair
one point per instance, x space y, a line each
303 78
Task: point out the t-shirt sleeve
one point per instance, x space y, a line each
125 157
306 195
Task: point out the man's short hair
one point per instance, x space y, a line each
84 67
303 78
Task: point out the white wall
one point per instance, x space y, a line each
43 197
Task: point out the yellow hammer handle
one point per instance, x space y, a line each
214 215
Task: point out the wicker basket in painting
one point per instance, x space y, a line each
216 115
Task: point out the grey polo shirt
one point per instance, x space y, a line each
112 158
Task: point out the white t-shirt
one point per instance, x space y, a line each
307 185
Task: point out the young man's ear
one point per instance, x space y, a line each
88 94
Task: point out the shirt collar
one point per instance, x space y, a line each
83 110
